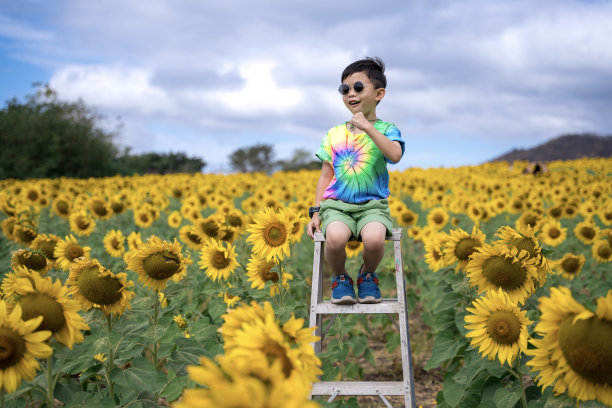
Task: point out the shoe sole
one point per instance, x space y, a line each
370 299
345 300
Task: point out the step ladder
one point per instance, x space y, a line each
319 307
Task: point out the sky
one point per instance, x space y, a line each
467 81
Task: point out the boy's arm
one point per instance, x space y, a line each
391 149
327 173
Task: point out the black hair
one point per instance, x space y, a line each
374 68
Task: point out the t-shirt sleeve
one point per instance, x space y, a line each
324 152
393 133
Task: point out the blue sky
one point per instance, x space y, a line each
467 80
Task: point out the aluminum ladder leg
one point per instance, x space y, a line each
319 307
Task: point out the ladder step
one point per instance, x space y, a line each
358 387
386 306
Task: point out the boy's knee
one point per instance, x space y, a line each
373 239
334 240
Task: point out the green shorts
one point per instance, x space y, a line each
355 216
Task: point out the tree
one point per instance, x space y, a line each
45 137
164 163
257 158
301 159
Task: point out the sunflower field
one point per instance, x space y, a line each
192 290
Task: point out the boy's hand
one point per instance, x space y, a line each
359 121
314 225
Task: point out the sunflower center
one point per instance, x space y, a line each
438 218
99 208
554 232
524 244
296 227
504 273
531 220
39 304
32 195
556 212
407 217
12 348
26 234
73 252
570 265
62 207
587 232
117 207
353 245
604 251
115 244
275 235
102 290
195 238
228 235
48 248
465 248
219 260
437 255
275 351
162 265
234 221
504 327
32 260
587 348
82 223
210 228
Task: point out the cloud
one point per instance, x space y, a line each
495 75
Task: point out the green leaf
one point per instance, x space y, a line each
216 308
505 398
369 355
446 346
453 392
352 371
143 376
359 344
174 387
393 341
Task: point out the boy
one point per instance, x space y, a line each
351 197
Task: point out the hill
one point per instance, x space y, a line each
566 147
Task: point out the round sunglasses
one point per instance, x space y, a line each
345 89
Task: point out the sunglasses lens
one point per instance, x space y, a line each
343 89
358 87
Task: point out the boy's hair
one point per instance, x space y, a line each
374 68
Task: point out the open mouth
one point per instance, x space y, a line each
354 103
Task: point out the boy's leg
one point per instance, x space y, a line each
337 235
373 238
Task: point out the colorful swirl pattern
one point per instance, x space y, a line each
360 169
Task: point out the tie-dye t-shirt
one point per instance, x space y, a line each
360 168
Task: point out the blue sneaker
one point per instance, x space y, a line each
367 287
342 290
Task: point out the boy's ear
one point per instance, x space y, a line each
380 93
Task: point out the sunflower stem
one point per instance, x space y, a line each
109 367
519 376
155 318
280 288
50 384
2 398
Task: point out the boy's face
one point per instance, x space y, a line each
364 101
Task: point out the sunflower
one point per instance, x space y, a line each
218 259
259 271
270 234
228 234
68 250
188 236
353 248
175 219
552 233
46 243
497 327
434 254
92 285
586 231
208 228
605 214
407 218
20 345
38 296
143 217
555 212
8 227
296 221
461 245
570 211
24 234
62 205
575 352
415 232
602 251
100 208
494 267
235 219
114 242
229 299
524 240
10 280
35 261
81 224
528 219
437 218
157 262
134 241
569 266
